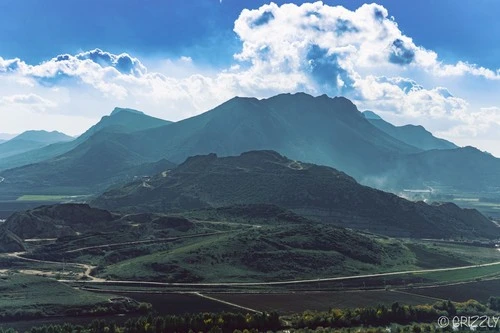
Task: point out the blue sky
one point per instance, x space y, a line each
36 30
426 62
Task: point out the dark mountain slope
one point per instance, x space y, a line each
416 136
311 190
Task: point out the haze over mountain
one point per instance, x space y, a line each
313 191
31 140
416 136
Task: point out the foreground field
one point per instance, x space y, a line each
25 297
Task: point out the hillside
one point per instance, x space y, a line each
121 120
57 221
246 243
318 192
31 140
416 136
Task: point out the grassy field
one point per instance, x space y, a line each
31 296
44 197
431 254
478 290
462 274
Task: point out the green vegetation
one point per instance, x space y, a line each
397 317
25 297
264 254
242 243
43 197
469 274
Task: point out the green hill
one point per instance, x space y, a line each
244 243
317 192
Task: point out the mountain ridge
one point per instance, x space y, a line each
414 135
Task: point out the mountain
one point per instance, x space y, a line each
416 136
299 125
323 130
120 121
30 140
124 120
42 136
317 192
90 167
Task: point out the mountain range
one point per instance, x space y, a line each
321 130
31 140
121 120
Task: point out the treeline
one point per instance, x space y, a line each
189 323
383 316
116 307
399 318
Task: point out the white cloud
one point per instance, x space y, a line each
313 47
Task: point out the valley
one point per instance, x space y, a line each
199 259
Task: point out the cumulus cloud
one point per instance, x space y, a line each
361 54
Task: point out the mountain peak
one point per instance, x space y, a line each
117 110
42 136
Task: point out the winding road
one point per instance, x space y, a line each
274 283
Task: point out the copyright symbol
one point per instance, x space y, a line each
443 321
